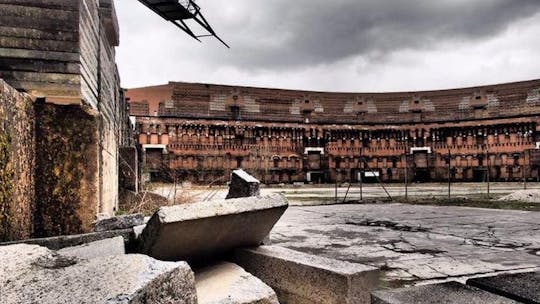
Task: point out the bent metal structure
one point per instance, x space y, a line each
200 132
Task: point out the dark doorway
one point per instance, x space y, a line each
421 175
479 175
317 177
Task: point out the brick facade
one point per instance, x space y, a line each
200 132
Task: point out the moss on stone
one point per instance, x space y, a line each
6 183
16 164
64 171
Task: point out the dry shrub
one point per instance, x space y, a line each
147 202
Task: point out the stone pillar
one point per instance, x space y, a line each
17 157
67 170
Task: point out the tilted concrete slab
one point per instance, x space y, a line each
228 283
203 230
299 278
522 287
102 248
34 274
243 185
446 293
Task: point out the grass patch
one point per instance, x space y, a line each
476 202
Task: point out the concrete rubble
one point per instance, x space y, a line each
320 255
228 283
529 196
209 229
98 270
243 185
119 222
38 275
301 278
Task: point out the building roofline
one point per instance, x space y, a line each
503 84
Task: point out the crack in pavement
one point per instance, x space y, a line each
387 224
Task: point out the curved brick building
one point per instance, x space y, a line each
200 132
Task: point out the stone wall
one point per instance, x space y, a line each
62 52
66 166
17 148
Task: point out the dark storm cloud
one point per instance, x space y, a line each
283 34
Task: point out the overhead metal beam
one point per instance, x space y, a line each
177 12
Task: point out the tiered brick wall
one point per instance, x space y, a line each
287 136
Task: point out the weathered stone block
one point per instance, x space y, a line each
208 229
451 292
119 222
243 185
522 287
59 242
228 283
299 278
17 162
102 248
66 171
33 274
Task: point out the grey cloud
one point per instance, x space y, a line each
283 34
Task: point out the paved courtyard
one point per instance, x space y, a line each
415 244
324 194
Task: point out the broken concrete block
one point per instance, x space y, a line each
302 278
102 248
243 185
59 242
522 287
34 274
445 293
137 231
119 222
228 283
209 229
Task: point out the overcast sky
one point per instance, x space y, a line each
337 45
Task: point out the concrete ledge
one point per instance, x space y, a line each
451 292
59 242
199 231
299 278
228 283
522 287
102 248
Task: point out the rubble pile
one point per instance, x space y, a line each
527 196
204 253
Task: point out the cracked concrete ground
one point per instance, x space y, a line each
416 244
